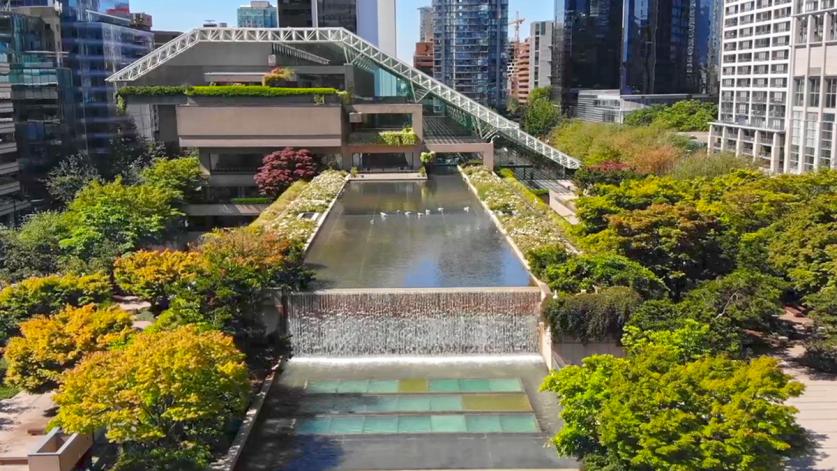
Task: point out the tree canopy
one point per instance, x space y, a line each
684 115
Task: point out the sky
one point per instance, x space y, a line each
183 15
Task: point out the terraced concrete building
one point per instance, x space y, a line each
232 134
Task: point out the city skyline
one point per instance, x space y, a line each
188 14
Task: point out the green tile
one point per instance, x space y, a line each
483 423
381 424
353 387
446 404
518 423
447 423
323 387
444 385
496 403
413 404
413 424
346 425
382 404
474 385
313 426
412 386
377 386
505 385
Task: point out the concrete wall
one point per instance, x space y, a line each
566 353
260 126
59 452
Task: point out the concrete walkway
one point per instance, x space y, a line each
18 416
817 413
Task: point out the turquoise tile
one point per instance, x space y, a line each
346 425
413 424
377 386
381 424
446 404
353 387
323 387
505 385
474 385
483 424
518 423
313 426
447 423
444 385
382 404
413 404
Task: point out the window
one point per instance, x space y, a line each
826 138
814 91
802 30
830 93
818 28
798 92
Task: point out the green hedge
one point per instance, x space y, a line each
256 91
253 200
153 91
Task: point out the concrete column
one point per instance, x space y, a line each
739 142
776 153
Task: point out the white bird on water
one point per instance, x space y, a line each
427 212
383 215
408 213
442 210
467 209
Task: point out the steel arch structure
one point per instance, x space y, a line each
359 47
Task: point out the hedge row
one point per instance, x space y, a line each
225 90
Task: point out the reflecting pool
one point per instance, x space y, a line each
432 234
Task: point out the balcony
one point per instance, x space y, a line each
9 167
9 186
8 147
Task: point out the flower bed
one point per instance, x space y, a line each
530 226
315 197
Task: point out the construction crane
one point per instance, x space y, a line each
517 22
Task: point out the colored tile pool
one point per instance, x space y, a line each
409 424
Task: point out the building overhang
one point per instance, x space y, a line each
356 50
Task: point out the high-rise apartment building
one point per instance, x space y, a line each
258 14
519 72
425 24
541 38
778 98
470 40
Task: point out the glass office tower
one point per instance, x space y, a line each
258 14
470 47
318 13
98 41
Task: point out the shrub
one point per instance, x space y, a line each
592 316
34 248
542 258
167 395
606 173
586 273
684 115
155 275
700 165
256 91
49 345
280 169
47 295
153 91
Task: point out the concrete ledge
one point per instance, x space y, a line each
230 460
388 177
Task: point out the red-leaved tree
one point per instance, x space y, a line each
280 169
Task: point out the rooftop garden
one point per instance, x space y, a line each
239 90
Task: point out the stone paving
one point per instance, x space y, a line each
18 416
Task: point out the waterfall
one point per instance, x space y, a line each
414 321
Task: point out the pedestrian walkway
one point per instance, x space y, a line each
23 420
817 413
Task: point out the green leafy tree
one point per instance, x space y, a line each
167 397
182 175
48 295
685 115
592 316
676 242
34 248
67 178
113 218
541 258
238 266
49 345
587 273
668 405
156 276
541 115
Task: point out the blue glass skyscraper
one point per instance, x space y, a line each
258 14
470 43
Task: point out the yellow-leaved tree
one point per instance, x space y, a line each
155 275
166 398
49 345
